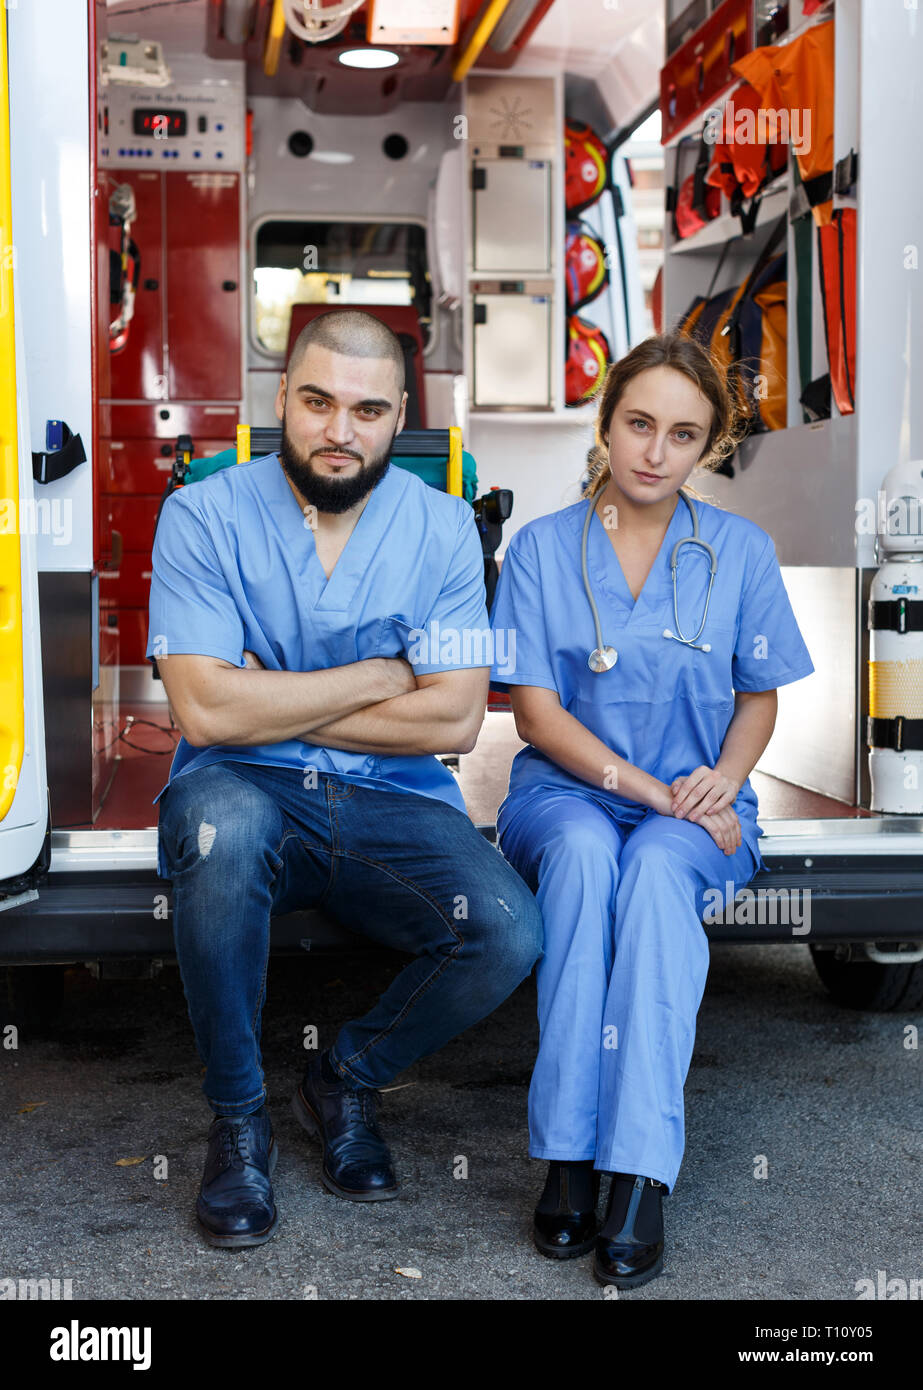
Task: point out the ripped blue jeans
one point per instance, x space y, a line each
243 842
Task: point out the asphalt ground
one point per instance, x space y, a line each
825 1102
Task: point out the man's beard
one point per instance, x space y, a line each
332 494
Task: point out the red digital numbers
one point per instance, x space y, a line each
158 123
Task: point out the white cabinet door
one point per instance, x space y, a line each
511 204
512 350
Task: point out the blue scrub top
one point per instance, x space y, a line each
663 707
235 568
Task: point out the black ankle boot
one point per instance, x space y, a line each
629 1247
565 1219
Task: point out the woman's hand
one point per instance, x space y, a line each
724 828
252 662
703 792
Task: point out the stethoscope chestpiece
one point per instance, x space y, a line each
602 659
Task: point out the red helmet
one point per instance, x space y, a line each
586 167
585 272
588 356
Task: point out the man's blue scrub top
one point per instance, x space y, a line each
663 707
235 568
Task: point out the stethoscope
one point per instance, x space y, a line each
603 658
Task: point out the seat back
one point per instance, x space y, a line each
402 320
436 456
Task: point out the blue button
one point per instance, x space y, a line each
219 126
148 153
197 154
219 154
121 152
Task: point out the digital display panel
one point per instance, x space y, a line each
147 121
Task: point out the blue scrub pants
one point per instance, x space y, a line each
623 972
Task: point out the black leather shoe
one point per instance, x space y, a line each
566 1232
357 1164
632 1253
235 1204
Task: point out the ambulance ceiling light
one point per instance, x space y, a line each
368 58
132 61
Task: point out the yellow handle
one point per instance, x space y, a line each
274 37
454 467
243 443
478 39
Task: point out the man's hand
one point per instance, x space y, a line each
703 792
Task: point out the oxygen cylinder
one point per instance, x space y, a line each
895 726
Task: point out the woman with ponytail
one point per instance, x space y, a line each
630 804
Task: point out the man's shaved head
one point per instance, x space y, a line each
340 414
352 333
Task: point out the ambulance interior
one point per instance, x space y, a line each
258 160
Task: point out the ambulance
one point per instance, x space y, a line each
523 190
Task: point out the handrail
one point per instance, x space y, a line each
12 710
479 39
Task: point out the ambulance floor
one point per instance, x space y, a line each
147 742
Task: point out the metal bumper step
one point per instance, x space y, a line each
836 880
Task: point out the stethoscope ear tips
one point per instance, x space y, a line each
705 647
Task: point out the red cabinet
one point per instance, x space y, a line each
128 586
138 465
137 369
184 339
179 372
144 465
203 275
129 625
169 419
